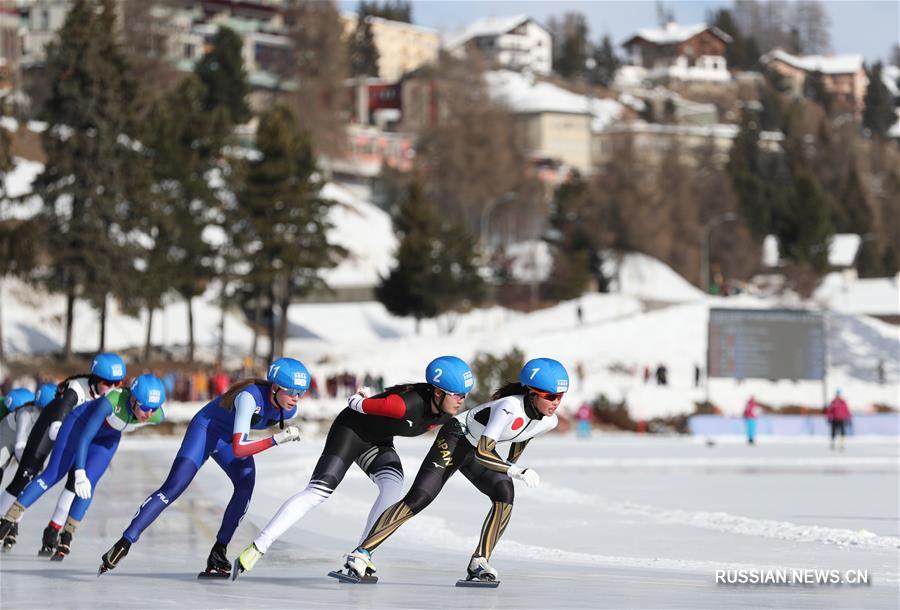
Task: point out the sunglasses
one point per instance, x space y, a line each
290 392
143 408
457 395
551 396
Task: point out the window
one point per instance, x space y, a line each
45 20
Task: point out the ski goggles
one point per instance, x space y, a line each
551 396
143 407
456 395
290 392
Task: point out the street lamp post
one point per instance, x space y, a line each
704 246
486 214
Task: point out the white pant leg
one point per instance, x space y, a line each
390 491
293 509
62 507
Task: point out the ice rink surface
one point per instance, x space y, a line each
618 521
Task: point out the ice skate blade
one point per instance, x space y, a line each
343 577
43 553
57 557
479 584
213 576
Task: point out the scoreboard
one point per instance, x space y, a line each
766 344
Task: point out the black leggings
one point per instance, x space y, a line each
451 451
40 445
345 445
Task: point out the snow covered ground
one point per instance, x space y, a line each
618 521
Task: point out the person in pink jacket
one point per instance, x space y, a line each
750 414
838 414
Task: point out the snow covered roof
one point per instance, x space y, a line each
525 96
486 26
871 296
889 76
646 278
674 33
842 249
826 64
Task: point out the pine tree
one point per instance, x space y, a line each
86 186
224 77
805 228
879 114
756 195
814 88
573 46
280 221
362 53
435 270
606 63
181 134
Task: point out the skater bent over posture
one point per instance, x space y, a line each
88 441
364 433
518 412
107 373
23 408
18 412
221 429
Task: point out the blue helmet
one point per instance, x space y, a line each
149 392
18 397
108 366
545 374
45 394
450 374
289 374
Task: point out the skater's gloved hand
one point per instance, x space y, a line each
355 401
291 433
82 484
527 475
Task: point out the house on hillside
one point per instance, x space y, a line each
676 52
651 141
517 43
844 76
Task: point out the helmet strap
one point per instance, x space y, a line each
435 404
277 404
530 410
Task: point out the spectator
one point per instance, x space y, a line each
838 414
880 371
646 374
579 313
583 415
750 414
696 375
662 375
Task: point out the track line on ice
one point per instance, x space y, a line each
722 521
724 463
435 532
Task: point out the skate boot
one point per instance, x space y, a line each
480 569
63 547
359 564
48 541
245 561
10 541
113 556
6 526
217 564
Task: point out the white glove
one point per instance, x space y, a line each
528 475
355 401
82 484
291 433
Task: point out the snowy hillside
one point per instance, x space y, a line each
653 317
